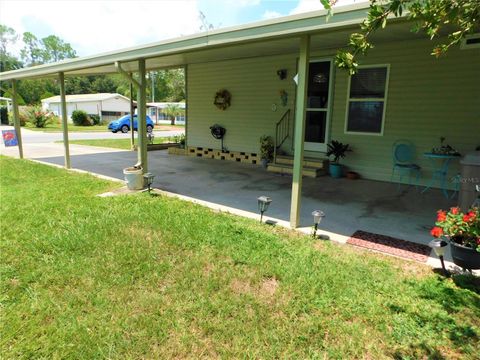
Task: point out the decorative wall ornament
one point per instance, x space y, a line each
222 99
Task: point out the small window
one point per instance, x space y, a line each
470 42
366 100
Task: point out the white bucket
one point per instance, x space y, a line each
134 178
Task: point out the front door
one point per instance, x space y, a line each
317 115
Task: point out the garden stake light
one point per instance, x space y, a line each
317 218
263 203
439 247
149 180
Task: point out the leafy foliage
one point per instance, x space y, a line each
266 147
80 118
95 119
172 111
463 228
338 150
37 116
458 17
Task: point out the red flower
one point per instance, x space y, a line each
436 232
469 217
454 210
441 215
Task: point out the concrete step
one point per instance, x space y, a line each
307 161
288 169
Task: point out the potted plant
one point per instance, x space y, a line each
266 149
462 231
337 150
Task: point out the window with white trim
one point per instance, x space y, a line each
367 100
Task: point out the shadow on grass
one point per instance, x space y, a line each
420 351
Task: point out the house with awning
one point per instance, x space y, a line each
277 78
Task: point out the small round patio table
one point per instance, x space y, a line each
440 163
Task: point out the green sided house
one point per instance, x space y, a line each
277 78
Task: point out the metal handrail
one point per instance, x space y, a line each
282 131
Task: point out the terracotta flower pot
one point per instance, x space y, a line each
352 175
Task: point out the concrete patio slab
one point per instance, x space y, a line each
350 205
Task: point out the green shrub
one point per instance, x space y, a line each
95 119
80 118
3 115
37 116
22 116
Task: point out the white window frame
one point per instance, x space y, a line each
384 99
322 147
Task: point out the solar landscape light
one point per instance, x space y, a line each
149 180
439 247
263 204
318 215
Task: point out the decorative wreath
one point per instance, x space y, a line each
222 99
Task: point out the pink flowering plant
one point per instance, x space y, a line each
461 228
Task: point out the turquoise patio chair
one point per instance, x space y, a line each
403 162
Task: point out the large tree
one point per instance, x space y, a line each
55 49
457 18
31 54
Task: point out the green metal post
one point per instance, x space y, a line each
132 112
63 102
142 117
299 131
185 73
16 118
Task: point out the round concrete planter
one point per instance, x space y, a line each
134 178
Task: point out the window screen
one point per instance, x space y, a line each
367 100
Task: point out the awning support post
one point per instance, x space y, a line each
16 118
299 131
63 102
132 113
142 117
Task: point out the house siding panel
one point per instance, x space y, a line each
427 98
254 86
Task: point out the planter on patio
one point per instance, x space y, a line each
134 178
336 170
465 257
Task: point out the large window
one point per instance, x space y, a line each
366 100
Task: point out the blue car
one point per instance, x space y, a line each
123 124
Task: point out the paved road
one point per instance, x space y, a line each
35 137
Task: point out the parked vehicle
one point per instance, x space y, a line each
123 124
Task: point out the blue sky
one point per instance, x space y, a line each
96 26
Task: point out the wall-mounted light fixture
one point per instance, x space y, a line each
282 74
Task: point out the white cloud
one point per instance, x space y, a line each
271 14
97 26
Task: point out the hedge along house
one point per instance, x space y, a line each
107 106
401 92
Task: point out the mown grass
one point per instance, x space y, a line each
53 127
117 143
154 277
57 127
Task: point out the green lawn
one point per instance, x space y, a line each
116 143
84 277
94 128
71 128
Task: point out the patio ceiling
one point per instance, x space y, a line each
279 36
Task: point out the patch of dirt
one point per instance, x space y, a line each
240 287
269 287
